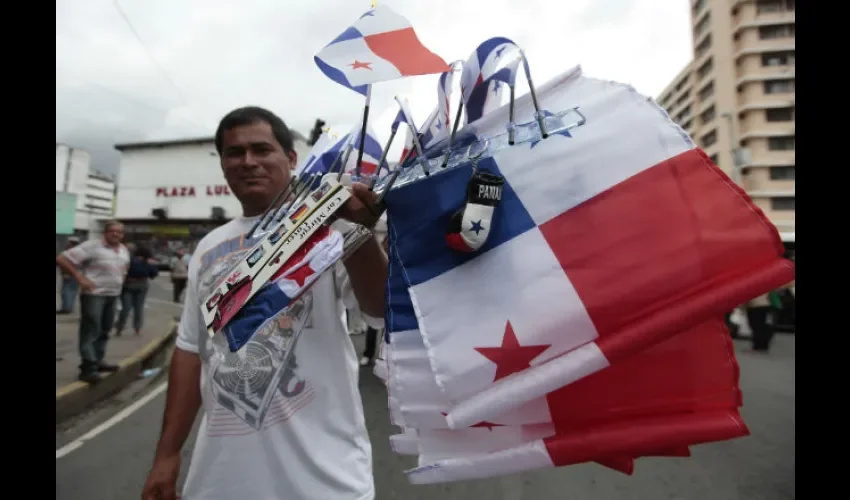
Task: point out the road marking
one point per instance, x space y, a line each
166 302
118 417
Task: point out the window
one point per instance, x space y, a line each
778 86
707 116
775 31
782 173
709 139
779 114
783 203
768 6
703 47
702 26
703 70
785 143
698 7
714 158
682 82
706 91
781 58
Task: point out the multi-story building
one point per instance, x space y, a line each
84 197
736 98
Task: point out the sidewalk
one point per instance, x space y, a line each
159 320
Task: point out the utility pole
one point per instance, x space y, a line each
733 149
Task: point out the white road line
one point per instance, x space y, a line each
166 302
126 412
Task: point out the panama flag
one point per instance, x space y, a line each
609 238
380 46
372 152
329 151
314 257
691 373
491 66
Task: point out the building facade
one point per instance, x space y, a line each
90 195
736 98
172 193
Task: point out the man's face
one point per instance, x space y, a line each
255 165
114 234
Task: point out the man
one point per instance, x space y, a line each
70 287
99 266
179 274
759 316
312 443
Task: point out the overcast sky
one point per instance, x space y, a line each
197 59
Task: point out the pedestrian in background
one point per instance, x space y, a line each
142 269
179 274
372 332
99 267
759 316
70 287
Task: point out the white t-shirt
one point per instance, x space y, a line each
312 442
105 266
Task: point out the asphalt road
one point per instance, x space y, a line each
113 465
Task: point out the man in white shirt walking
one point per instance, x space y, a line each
294 432
99 266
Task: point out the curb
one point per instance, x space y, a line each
74 398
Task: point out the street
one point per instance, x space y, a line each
113 464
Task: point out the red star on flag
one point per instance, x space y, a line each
357 65
301 274
487 425
511 357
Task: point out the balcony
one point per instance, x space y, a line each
760 155
753 92
765 66
754 124
747 18
750 42
757 180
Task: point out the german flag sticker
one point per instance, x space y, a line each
298 213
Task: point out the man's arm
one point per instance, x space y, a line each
80 254
367 266
184 380
367 270
182 403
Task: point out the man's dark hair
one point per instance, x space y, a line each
253 114
142 251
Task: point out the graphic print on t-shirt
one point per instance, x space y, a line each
257 386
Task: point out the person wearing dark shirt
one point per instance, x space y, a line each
142 269
70 287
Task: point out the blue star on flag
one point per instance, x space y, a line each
476 226
565 132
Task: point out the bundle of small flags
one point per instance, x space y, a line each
559 266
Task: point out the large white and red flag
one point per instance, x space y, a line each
609 238
680 392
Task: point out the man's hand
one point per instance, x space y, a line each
361 208
86 284
162 479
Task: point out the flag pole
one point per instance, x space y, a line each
383 159
363 131
365 120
